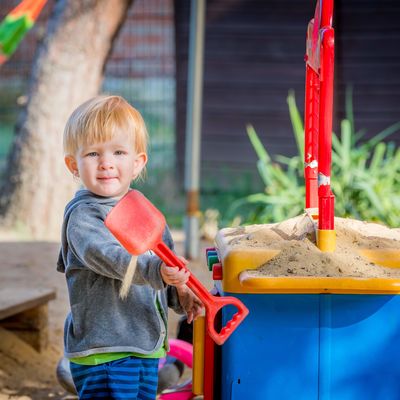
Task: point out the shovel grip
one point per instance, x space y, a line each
231 325
172 260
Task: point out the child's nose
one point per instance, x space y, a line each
105 163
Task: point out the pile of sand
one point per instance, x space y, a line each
299 255
25 370
26 374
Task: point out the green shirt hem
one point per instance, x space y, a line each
101 358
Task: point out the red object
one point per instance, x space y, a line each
217 272
311 117
209 355
318 113
139 227
29 7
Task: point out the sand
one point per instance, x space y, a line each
25 373
299 255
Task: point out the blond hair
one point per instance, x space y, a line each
100 119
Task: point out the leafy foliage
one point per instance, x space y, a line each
365 175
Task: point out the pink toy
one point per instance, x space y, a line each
182 351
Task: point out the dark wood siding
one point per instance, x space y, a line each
254 53
368 59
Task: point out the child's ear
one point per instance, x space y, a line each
139 163
72 165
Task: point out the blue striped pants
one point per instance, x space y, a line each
128 378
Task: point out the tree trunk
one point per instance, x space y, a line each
68 70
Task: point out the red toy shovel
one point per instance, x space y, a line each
139 226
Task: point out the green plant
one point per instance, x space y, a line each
365 175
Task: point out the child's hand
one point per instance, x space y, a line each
173 275
190 303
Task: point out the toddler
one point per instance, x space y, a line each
116 330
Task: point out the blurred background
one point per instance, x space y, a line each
254 55
251 167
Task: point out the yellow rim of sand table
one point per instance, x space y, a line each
238 277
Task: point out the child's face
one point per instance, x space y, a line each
107 168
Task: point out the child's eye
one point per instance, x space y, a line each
120 152
92 154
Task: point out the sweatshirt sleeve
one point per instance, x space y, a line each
95 246
148 271
172 295
167 238
173 300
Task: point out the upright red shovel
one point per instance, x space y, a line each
139 227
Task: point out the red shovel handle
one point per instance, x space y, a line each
212 310
212 303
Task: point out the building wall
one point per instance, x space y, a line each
368 36
254 54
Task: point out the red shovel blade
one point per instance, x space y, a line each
139 226
136 223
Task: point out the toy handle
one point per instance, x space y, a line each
211 311
212 303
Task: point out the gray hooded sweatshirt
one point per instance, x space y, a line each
94 264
